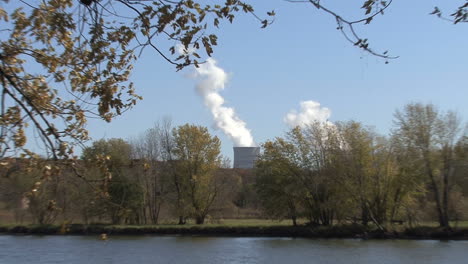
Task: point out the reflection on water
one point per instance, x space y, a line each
180 250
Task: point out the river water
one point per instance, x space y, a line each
206 250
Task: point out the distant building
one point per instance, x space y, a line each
245 157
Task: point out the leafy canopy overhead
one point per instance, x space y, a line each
63 61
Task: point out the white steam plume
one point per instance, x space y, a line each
310 112
212 81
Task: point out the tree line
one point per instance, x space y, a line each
322 173
333 172
175 170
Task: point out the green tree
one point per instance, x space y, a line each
110 159
316 144
356 166
197 157
115 151
461 151
408 182
126 200
33 191
296 175
432 135
277 183
28 192
374 173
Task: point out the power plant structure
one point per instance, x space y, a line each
245 157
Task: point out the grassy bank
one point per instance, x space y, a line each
337 231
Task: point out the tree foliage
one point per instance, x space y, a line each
373 175
433 137
299 171
345 171
197 156
276 180
323 173
109 161
64 61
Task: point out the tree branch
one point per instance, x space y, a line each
352 37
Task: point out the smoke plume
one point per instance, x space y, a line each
212 80
310 112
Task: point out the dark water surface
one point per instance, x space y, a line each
206 250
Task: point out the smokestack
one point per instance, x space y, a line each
245 157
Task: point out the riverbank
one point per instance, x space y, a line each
337 231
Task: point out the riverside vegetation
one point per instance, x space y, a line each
330 180
56 51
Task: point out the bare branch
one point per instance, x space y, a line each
346 27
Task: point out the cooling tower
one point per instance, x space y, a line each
244 157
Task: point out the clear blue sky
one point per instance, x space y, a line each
303 57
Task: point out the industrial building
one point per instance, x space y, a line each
245 157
